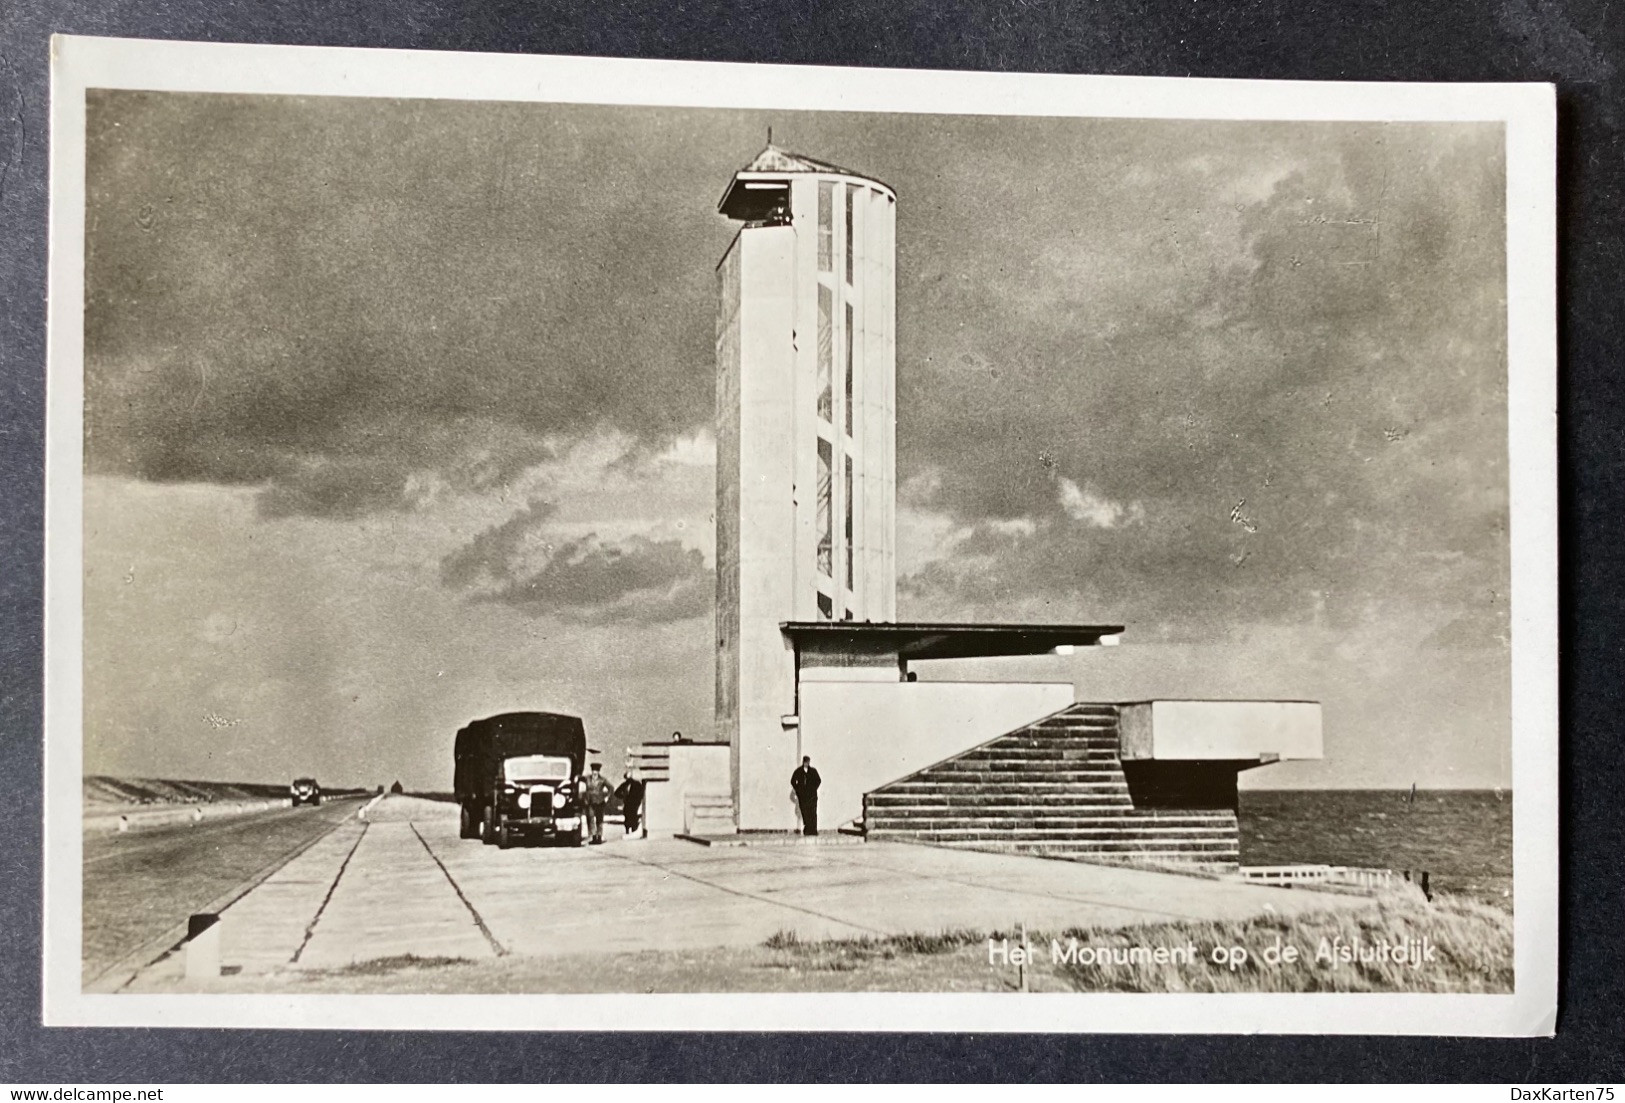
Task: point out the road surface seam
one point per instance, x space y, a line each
132 963
749 895
496 947
310 928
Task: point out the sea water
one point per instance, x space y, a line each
1462 838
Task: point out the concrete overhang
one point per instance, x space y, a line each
1256 732
918 640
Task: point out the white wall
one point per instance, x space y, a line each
697 769
772 565
1220 730
861 735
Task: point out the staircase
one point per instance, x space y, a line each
1055 787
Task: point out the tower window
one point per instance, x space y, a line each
851 197
824 520
848 461
826 225
848 369
826 341
826 607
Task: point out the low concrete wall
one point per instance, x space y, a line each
1220 730
167 815
862 734
696 769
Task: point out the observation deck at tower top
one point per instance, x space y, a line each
758 190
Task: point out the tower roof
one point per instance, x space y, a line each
774 159
752 194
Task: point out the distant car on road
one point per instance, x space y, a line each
304 790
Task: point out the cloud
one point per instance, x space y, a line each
584 579
428 294
638 580
1251 329
490 556
1087 506
360 306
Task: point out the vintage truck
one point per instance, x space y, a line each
517 777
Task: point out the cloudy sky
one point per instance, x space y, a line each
400 413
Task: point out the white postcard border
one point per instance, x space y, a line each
1528 112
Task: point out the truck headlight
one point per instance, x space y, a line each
524 800
559 799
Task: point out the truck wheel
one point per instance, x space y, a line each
488 830
574 838
466 828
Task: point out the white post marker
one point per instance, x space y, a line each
203 947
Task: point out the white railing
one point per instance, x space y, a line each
1366 877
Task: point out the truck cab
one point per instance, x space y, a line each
518 777
539 797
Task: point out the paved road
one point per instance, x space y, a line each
138 885
403 886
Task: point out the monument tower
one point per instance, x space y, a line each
811 658
806 443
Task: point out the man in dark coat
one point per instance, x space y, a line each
630 792
596 796
804 783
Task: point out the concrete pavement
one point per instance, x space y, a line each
405 884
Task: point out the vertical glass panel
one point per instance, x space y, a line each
824 520
849 522
826 607
826 225
826 352
848 369
851 197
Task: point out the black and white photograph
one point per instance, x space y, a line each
775 545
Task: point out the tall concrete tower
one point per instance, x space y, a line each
806 446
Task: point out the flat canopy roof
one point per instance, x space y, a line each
917 640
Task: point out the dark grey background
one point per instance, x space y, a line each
1576 44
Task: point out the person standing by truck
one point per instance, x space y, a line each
597 793
630 791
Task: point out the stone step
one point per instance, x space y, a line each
910 803
1004 751
1096 804
1030 740
1066 730
1002 770
893 804
1124 819
1057 831
959 782
1056 788
1207 860
1043 758
1120 825
1076 846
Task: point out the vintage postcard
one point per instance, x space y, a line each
559 543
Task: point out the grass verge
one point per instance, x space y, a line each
1453 944
1462 946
